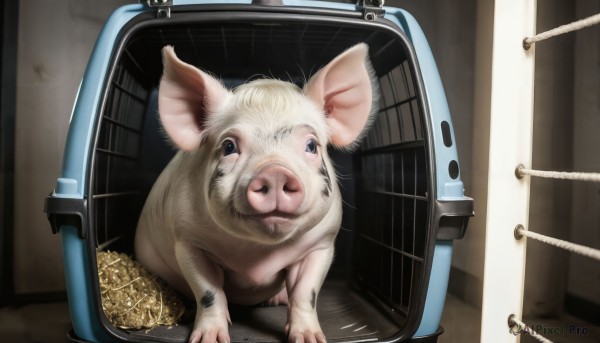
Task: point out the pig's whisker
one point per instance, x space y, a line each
348 204
303 78
344 229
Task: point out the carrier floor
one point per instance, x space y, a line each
344 316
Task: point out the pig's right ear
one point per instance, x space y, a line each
347 91
186 98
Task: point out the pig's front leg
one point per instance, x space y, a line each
303 283
206 281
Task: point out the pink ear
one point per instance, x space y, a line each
346 88
186 97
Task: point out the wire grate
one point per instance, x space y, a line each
392 193
116 158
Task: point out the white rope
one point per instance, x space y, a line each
578 25
591 177
572 247
518 327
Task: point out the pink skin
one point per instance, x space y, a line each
275 192
248 210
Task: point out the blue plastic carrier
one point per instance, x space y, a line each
403 196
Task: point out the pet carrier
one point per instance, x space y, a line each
403 197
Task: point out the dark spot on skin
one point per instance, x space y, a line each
326 178
231 208
217 174
282 133
208 299
313 300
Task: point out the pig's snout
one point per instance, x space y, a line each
275 189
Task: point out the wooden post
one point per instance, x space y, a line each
511 119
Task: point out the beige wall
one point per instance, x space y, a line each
467 273
55 40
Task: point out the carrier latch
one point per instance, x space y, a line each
453 217
371 9
163 7
66 211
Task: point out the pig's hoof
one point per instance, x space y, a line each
210 336
303 327
307 337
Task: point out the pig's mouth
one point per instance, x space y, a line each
272 218
276 223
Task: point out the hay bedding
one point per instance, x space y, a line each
132 298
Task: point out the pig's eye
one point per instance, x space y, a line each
311 146
228 147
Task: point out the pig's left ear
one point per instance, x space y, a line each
187 97
347 90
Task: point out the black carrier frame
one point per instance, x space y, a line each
377 286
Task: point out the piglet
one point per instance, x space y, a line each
248 209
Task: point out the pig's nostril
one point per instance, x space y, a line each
264 189
287 189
